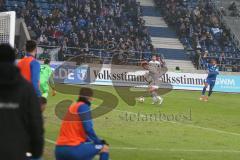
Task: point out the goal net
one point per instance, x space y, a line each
7 27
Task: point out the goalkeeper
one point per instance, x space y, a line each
46 79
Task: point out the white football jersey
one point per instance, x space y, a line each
154 66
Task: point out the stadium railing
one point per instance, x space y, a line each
93 55
222 19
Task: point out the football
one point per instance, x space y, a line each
141 99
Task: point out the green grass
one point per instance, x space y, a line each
213 133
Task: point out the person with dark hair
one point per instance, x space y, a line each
77 139
213 72
177 69
20 116
31 46
30 67
46 79
153 67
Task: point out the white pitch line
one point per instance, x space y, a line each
189 125
175 150
50 141
165 150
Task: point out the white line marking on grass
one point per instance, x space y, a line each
50 141
164 150
175 150
189 125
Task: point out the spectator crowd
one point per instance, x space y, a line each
104 27
79 26
234 9
201 30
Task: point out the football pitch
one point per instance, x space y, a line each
182 128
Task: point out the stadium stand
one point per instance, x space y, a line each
230 14
164 38
81 24
134 29
200 28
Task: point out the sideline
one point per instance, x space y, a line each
165 150
188 125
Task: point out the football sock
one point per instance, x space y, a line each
104 156
210 91
204 91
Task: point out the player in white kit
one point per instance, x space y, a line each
152 77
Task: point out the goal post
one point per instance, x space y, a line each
7 27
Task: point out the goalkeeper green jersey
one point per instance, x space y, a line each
45 79
45 73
